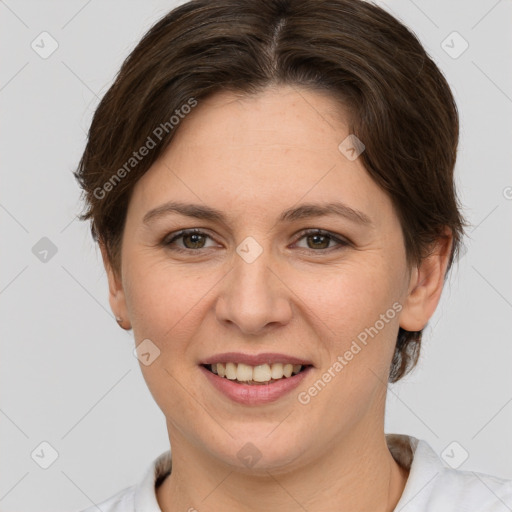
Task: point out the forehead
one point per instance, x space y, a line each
286 116
252 151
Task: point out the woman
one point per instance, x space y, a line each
271 186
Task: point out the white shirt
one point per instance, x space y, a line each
432 485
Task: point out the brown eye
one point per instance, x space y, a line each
191 240
196 240
320 240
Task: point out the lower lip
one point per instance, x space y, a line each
255 394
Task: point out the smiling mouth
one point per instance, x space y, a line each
255 375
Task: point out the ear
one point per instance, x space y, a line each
116 295
426 284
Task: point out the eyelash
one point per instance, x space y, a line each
341 243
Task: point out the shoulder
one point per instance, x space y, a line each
434 485
123 501
470 491
142 495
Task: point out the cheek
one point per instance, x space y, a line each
356 323
356 312
164 304
349 297
162 298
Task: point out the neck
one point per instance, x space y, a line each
357 473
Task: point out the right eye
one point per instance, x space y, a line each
194 238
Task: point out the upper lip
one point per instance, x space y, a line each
255 359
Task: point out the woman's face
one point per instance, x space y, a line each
254 286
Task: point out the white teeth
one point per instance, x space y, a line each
231 371
277 371
260 373
243 372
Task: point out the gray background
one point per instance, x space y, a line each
68 374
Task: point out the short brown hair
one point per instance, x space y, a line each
400 106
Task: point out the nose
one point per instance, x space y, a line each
254 297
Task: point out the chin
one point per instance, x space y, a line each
262 447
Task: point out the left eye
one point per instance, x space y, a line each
321 239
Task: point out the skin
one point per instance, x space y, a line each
253 157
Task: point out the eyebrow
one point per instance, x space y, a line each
303 211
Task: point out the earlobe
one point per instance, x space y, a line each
116 292
426 284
